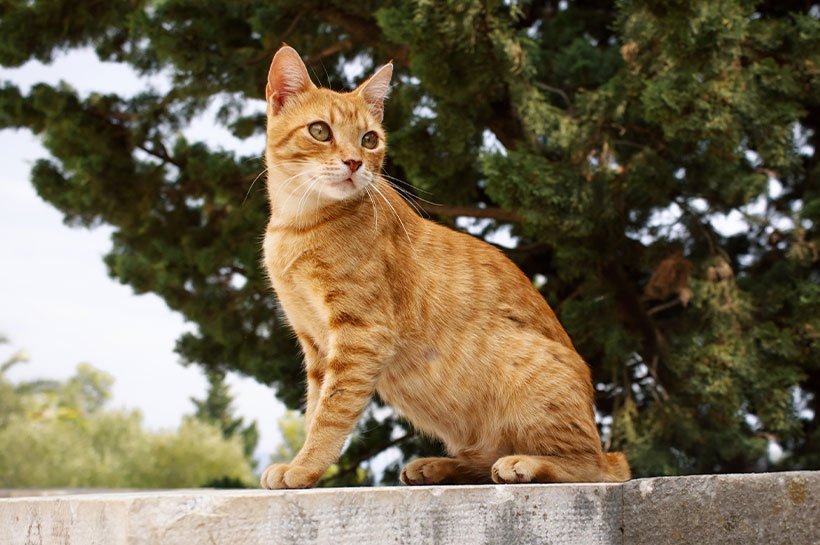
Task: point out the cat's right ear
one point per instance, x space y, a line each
287 77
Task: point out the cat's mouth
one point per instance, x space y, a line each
343 188
347 182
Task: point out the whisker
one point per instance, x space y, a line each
409 200
317 200
282 163
304 183
326 75
375 211
315 180
254 158
289 163
406 192
283 183
251 187
397 216
318 191
405 182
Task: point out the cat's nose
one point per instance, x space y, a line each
353 164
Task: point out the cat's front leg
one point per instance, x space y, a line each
355 362
315 365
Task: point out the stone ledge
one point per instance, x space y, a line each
769 508
765 508
36 492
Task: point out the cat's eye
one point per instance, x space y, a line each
370 140
320 131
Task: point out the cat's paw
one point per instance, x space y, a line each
514 469
289 476
427 471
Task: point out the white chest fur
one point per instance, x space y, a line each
295 281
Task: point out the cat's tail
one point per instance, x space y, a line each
615 467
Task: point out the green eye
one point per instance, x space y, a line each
320 131
370 140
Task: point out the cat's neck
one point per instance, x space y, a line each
379 207
293 205
300 219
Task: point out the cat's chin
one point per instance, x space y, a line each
341 190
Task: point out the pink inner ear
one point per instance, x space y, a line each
287 77
268 91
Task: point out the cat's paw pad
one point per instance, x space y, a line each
288 476
514 469
426 471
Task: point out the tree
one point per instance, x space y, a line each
217 409
45 419
617 143
10 403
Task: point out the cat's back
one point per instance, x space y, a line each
474 280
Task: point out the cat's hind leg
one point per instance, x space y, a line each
547 469
429 471
443 471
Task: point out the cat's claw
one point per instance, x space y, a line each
288 476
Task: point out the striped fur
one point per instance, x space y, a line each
443 326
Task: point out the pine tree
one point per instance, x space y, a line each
613 141
217 409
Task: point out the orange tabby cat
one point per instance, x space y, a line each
443 326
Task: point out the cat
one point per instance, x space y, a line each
441 325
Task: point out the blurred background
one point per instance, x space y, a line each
650 165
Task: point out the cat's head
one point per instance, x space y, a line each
322 146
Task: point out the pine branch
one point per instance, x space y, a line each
363 31
286 34
160 152
663 306
498 214
560 92
532 12
642 321
338 47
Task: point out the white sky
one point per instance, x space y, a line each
56 299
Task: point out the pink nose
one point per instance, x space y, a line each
352 164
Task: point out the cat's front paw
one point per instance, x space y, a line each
289 476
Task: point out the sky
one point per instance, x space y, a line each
57 302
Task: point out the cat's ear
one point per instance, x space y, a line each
287 77
375 90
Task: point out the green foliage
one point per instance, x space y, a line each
613 137
11 403
216 409
292 428
59 434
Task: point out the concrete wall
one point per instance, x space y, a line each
768 509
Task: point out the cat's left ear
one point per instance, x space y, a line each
375 90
